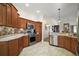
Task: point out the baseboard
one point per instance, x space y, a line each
54 45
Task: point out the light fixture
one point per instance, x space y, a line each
59 20
27 5
38 11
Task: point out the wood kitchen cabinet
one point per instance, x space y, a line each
3 14
21 22
14 17
9 15
3 48
25 40
73 45
38 38
69 43
20 44
61 41
38 28
13 47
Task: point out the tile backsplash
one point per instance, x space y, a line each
7 30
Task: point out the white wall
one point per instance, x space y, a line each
50 22
71 21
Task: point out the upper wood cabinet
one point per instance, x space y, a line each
21 22
38 27
14 17
3 17
9 15
4 14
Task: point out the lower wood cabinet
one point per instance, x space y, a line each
38 39
61 41
74 45
69 43
3 49
13 47
20 45
25 41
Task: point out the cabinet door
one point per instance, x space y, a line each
60 41
4 14
3 49
38 38
20 43
9 15
1 14
73 45
13 47
14 17
67 43
38 29
25 41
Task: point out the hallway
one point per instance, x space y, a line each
44 49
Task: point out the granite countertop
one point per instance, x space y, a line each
67 35
11 37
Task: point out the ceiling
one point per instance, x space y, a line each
49 9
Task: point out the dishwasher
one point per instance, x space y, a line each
54 39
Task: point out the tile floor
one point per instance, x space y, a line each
44 49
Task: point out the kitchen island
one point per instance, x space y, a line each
12 45
68 42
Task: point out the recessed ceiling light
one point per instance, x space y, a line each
27 5
38 11
59 21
